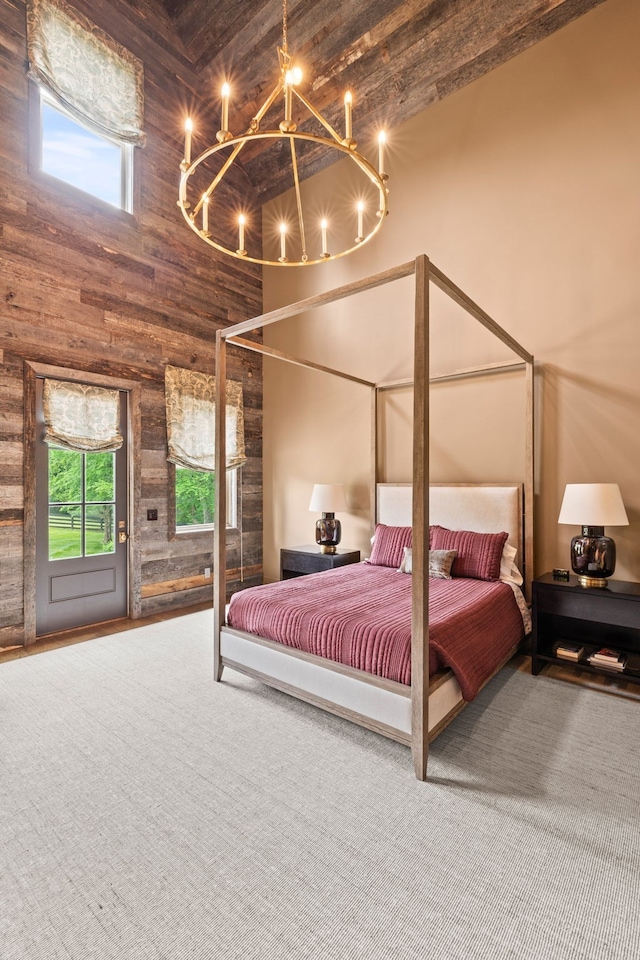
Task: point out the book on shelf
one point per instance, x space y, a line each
607 667
566 650
607 655
608 659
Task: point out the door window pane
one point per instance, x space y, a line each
81 526
65 476
99 529
65 531
99 477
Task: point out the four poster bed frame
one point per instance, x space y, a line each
382 705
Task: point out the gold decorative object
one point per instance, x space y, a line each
363 219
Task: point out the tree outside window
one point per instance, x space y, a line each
195 498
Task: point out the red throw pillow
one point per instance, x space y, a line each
388 545
479 554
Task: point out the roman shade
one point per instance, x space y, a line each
78 416
88 73
191 411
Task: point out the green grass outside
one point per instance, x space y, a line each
65 543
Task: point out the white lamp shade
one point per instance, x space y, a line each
593 505
328 498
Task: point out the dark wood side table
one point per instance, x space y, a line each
593 617
297 561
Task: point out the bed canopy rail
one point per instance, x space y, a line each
425 273
464 374
254 347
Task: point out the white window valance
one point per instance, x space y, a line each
190 402
78 416
87 72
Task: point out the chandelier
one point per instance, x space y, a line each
327 239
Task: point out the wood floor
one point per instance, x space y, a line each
611 685
78 635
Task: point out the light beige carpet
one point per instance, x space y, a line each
146 812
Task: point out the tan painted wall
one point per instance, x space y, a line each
524 189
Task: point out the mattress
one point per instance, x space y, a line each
360 615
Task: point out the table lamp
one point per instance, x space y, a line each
593 506
327 499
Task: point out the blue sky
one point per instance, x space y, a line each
79 157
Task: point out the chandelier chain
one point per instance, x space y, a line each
284 26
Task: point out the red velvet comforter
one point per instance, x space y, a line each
360 615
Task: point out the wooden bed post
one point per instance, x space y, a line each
373 493
529 481
220 528
420 548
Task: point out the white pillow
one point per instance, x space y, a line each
509 572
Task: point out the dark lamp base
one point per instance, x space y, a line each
328 533
593 557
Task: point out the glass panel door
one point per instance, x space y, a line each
81 533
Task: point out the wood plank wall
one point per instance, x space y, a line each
88 287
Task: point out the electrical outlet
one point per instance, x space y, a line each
152 514
207 571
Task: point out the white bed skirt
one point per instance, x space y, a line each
378 704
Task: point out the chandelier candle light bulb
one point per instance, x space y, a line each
205 213
288 96
226 93
241 223
188 130
360 236
323 228
348 125
382 139
283 243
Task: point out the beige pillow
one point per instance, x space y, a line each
440 562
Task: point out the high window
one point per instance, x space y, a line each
75 154
91 102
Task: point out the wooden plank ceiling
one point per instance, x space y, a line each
397 56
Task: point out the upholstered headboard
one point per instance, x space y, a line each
483 507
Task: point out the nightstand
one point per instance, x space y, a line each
591 617
298 561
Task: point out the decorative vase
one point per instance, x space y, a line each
593 557
328 533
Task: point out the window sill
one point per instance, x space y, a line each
200 530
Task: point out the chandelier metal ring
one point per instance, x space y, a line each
288 91
236 144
